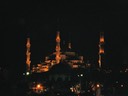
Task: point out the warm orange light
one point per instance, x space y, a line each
58 47
97 85
28 43
101 51
38 86
28 53
58 37
57 58
102 39
99 61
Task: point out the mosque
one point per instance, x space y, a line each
70 57
61 68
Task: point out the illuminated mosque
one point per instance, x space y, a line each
60 65
68 56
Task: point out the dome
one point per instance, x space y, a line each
61 68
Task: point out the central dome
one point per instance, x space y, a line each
61 68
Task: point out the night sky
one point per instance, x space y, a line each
79 22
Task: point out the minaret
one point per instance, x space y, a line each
101 49
58 48
28 53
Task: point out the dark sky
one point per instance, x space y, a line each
81 21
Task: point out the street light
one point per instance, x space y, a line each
81 75
27 73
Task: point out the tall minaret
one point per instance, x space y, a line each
58 48
28 53
101 49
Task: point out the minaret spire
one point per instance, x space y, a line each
101 49
69 42
58 47
69 45
28 53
